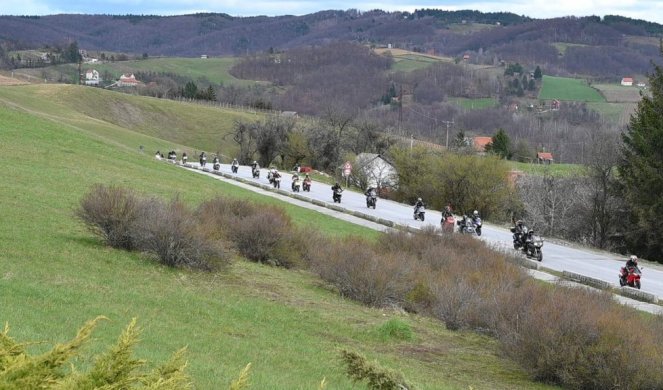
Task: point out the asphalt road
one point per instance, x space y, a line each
557 256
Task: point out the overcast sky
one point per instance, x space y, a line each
651 10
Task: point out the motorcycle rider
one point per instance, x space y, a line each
475 215
370 191
632 262
336 188
519 230
184 158
418 204
216 160
307 181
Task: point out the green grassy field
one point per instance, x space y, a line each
619 113
199 127
564 88
288 324
562 170
214 70
474 104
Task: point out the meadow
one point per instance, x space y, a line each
288 324
564 88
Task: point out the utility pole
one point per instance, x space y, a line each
448 123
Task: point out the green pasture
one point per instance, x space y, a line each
288 324
474 104
555 169
564 88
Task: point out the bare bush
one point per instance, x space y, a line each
110 212
259 236
363 273
170 231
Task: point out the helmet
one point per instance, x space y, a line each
418 199
475 213
634 259
447 208
519 223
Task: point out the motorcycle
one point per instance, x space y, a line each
296 185
256 173
371 200
630 277
184 159
216 166
448 224
234 168
306 186
203 161
531 245
419 213
466 226
276 181
477 225
336 195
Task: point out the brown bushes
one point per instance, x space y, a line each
573 337
110 212
167 231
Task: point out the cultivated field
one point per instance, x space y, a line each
288 324
564 88
617 93
407 61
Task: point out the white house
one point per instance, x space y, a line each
127 80
375 171
92 77
627 81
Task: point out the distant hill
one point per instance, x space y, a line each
594 46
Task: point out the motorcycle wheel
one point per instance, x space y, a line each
539 256
622 282
422 217
637 285
516 246
478 232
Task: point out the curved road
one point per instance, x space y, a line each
556 256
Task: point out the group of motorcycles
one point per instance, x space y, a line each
524 239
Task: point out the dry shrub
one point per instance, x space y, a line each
581 339
171 232
259 237
110 212
363 273
220 214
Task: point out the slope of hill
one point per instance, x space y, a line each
197 126
56 275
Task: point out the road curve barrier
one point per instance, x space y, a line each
638 295
593 282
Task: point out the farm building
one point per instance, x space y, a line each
544 157
627 81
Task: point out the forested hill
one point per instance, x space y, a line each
488 37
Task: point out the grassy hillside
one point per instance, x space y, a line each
55 274
197 126
564 88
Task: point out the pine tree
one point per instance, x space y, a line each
538 75
641 171
500 145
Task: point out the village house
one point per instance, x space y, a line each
627 81
373 170
544 158
127 80
479 144
92 77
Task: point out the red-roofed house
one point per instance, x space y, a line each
479 143
127 81
627 81
544 157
